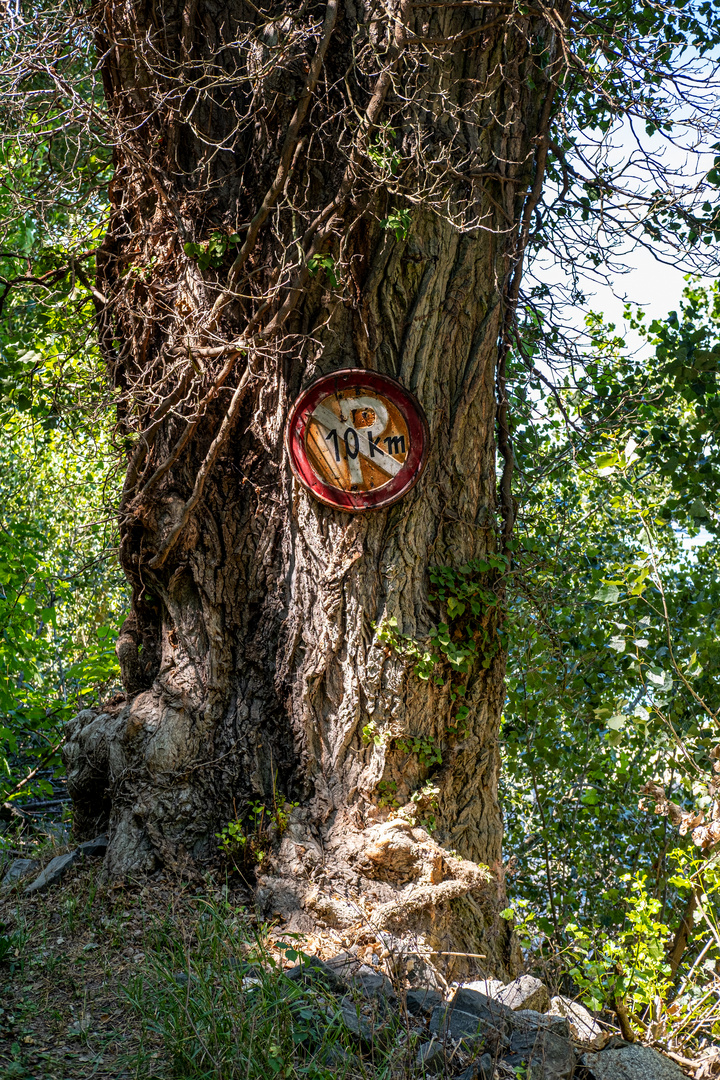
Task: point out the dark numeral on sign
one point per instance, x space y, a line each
395 443
333 435
354 452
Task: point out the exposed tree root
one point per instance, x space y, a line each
389 877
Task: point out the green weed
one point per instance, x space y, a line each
223 1008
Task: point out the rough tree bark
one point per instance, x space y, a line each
257 659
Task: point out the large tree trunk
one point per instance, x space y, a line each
261 661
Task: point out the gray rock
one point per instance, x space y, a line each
53 872
409 963
356 1025
526 992
372 984
17 870
529 1020
336 1056
583 1027
454 1023
310 969
422 1002
486 1008
484 1069
94 848
421 972
344 964
545 1056
58 830
489 987
631 1063
431 1058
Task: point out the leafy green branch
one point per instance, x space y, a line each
398 221
245 842
211 253
326 263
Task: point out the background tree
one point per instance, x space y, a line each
61 592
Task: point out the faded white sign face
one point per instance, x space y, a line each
356 441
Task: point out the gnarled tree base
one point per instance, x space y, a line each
386 878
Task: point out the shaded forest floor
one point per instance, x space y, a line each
64 1009
148 980
175 978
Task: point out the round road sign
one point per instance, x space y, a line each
357 440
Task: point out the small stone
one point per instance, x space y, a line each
17 870
81 1025
526 992
483 1069
58 830
631 1062
583 1028
344 964
312 970
545 1056
372 984
431 1058
495 1012
422 973
422 1002
453 1022
529 1020
356 1025
336 1056
94 848
409 963
53 872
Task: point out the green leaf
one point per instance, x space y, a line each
608 593
590 797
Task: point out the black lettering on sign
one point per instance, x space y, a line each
352 453
374 444
395 444
333 435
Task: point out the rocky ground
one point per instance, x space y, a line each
165 978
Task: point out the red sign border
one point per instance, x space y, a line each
402 399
